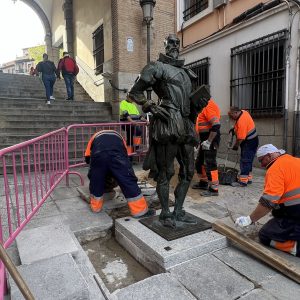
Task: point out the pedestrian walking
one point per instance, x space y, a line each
48 71
69 69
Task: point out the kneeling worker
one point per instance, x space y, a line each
106 153
281 196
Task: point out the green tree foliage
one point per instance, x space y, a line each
36 53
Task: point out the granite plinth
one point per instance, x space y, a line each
158 254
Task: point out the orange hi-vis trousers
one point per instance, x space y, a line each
282 234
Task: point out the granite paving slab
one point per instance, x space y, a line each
158 287
208 278
246 265
258 294
45 242
55 278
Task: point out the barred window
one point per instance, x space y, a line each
201 68
258 75
98 49
193 7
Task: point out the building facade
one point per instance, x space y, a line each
248 52
107 38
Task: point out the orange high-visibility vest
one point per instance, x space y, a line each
209 116
244 127
282 181
89 145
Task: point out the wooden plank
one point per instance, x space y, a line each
259 251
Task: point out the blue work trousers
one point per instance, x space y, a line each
49 81
69 81
248 151
118 165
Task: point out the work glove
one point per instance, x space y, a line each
206 145
243 221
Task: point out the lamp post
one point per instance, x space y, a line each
147 7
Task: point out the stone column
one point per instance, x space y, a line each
68 13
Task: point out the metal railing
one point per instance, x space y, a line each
31 170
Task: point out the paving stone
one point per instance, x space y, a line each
64 193
158 287
56 278
258 294
71 204
87 225
211 208
208 278
245 264
282 288
165 253
44 242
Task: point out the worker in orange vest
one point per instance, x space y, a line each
247 139
208 126
281 196
107 155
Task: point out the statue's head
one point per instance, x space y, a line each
172 44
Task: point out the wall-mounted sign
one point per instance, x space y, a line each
130 44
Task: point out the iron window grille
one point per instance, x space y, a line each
201 68
193 7
258 75
98 49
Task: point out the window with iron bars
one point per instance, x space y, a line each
98 49
201 68
193 7
258 75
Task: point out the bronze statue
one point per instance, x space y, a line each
172 133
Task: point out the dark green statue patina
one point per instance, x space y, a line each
172 133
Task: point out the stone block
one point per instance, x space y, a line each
244 264
56 278
282 288
72 204
258 294
206 277
45 242
161 252
87 225
158 287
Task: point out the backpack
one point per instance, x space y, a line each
70 66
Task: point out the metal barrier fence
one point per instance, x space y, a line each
31 170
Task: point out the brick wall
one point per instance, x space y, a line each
128 22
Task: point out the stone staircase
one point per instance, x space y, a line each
25 115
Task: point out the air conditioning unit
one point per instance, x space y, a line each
219 3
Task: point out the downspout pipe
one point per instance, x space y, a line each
287 79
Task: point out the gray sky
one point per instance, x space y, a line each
20 27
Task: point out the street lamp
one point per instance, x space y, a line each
147 7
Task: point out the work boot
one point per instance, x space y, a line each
151 212
210 192
201 185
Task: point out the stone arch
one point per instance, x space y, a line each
45 21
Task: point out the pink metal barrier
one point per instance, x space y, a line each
31 170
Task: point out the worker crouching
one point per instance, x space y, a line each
107 155
281 196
